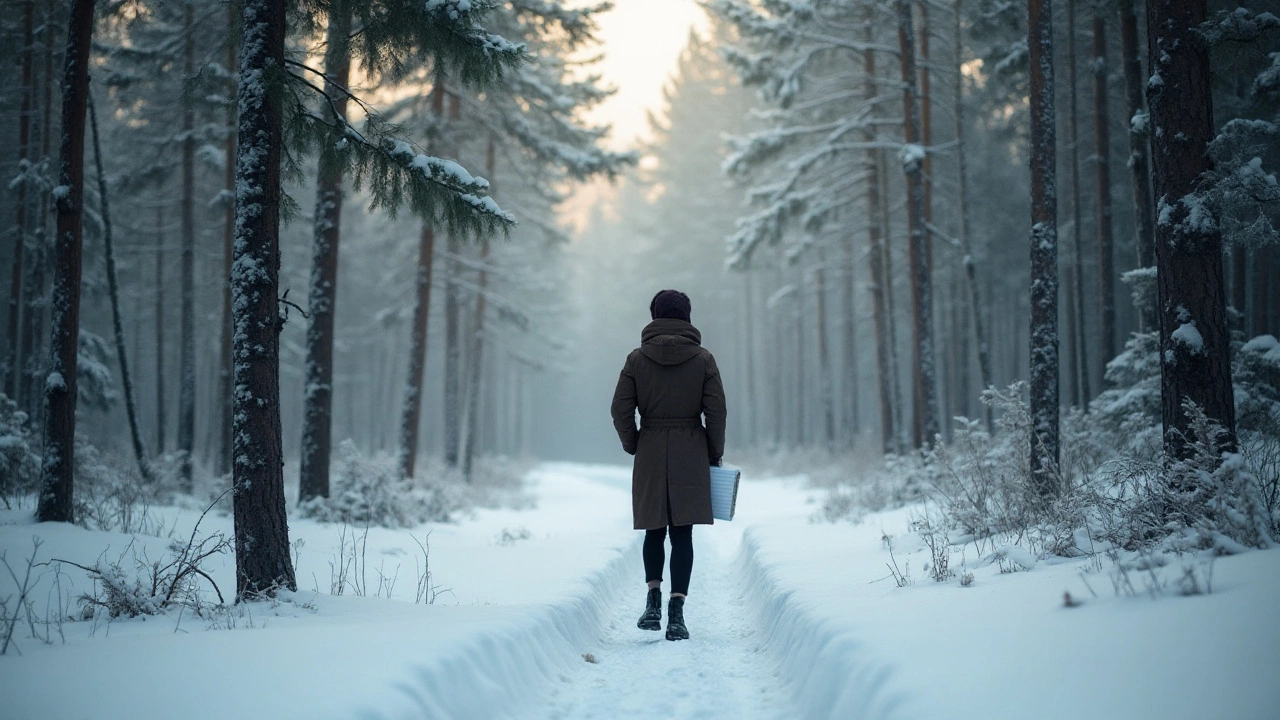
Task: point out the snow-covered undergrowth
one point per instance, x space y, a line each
1116 493
368 490
517 594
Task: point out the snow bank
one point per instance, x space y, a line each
854 645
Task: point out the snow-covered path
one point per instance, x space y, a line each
720 672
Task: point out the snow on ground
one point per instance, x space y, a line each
722 671
789 619
854 644
517 613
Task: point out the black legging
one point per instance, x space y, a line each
681 556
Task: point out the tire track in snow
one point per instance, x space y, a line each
722 671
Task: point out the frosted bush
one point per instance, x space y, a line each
19 462
110 495
368 490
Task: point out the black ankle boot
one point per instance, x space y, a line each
675 620
652 617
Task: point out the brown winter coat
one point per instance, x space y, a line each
674 383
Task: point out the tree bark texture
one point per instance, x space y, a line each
1044 253
57 482
1102 182
317 413
1194 337
226 375
262 532
187 351
13 361
925 417
1139 164
411 413
113 290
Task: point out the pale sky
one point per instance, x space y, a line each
642 40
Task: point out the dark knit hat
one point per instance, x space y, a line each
670 304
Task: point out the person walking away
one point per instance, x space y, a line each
674 382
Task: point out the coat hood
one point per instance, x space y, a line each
668 341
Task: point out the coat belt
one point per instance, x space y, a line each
648 423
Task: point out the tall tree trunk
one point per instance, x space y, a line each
187 351
886 279
849 347
263 564
825 386
1044 253
226 384
162 420
56 494
13 362
1102 179
966 246
925 417
317 414
411 412
1080 368
475 362
1194 338
1140 177
452 338
876 265
113 289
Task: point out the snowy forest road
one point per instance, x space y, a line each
722 671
